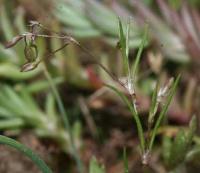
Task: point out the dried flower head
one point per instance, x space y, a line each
128 84
29 66
163 92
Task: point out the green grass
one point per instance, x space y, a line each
27 152
146 144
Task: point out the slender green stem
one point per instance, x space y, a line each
125 161
127 54
65 119
134 114
26 151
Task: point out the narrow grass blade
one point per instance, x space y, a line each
125 161
163 112
123 47
122 37
127 37
27 152
139 53
154 105
134 114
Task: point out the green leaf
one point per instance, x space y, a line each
5 112
154 105
17 101
95 167
11 123
11 71
9 104
19 106
27 152
122 38
123 41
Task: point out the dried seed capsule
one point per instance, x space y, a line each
29 66
31 53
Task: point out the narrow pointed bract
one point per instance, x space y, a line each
14 41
